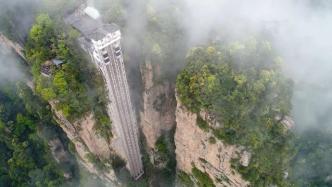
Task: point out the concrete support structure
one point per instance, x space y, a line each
102 42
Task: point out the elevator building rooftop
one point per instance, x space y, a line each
91 28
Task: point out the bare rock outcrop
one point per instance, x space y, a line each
159 104
95 144
86 141
194 148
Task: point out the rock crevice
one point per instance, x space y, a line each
159 105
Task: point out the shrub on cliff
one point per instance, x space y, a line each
203 179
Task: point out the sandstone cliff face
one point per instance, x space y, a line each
194 148
159 104
86 141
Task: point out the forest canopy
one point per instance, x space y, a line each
25 158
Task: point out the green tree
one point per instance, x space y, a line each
60 83
41 37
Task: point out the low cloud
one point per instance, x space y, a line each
10 69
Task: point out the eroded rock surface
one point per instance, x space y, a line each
194 148
86 141
159 105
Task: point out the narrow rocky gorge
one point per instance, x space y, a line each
193 145
158 113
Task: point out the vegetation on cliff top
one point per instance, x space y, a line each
75 86
243 86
